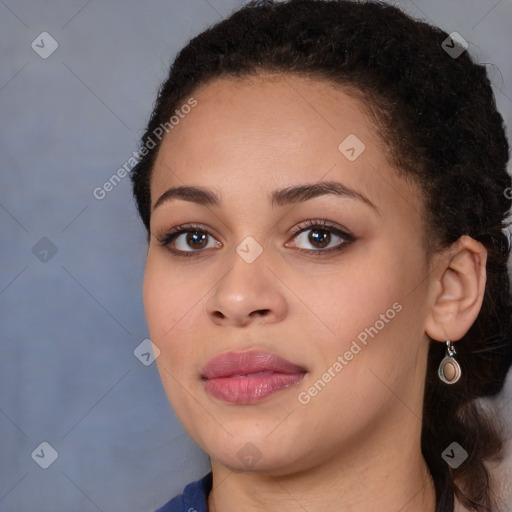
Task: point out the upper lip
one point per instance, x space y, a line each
231 364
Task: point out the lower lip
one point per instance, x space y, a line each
251 389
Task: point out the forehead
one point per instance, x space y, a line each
274 110
275 131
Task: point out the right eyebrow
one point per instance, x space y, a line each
199 195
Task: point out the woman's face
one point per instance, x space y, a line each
332 279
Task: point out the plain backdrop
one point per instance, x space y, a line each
71 266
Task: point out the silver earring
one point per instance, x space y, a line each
449 370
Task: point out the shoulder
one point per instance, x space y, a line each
193 499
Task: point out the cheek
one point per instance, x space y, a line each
168 301
352 297
382 320
367 314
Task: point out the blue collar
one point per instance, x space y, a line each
193 499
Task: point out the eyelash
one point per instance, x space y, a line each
166 238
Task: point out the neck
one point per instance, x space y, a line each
387 477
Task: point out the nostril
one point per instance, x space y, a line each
260 312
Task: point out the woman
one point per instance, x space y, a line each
324 189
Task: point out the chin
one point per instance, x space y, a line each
255 453
249 458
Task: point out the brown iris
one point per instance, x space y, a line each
197 239
319 238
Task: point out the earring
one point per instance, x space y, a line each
449 370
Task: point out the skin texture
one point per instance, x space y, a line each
356 444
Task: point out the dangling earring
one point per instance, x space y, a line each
449 370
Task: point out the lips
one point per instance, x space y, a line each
248 377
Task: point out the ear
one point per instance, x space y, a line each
457 289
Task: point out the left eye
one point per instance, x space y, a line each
321 237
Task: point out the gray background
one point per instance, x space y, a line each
69 326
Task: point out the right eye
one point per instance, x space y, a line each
187 239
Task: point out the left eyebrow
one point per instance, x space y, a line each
282 197
296 194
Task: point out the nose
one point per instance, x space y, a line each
248 293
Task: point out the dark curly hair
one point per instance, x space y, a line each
438 118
